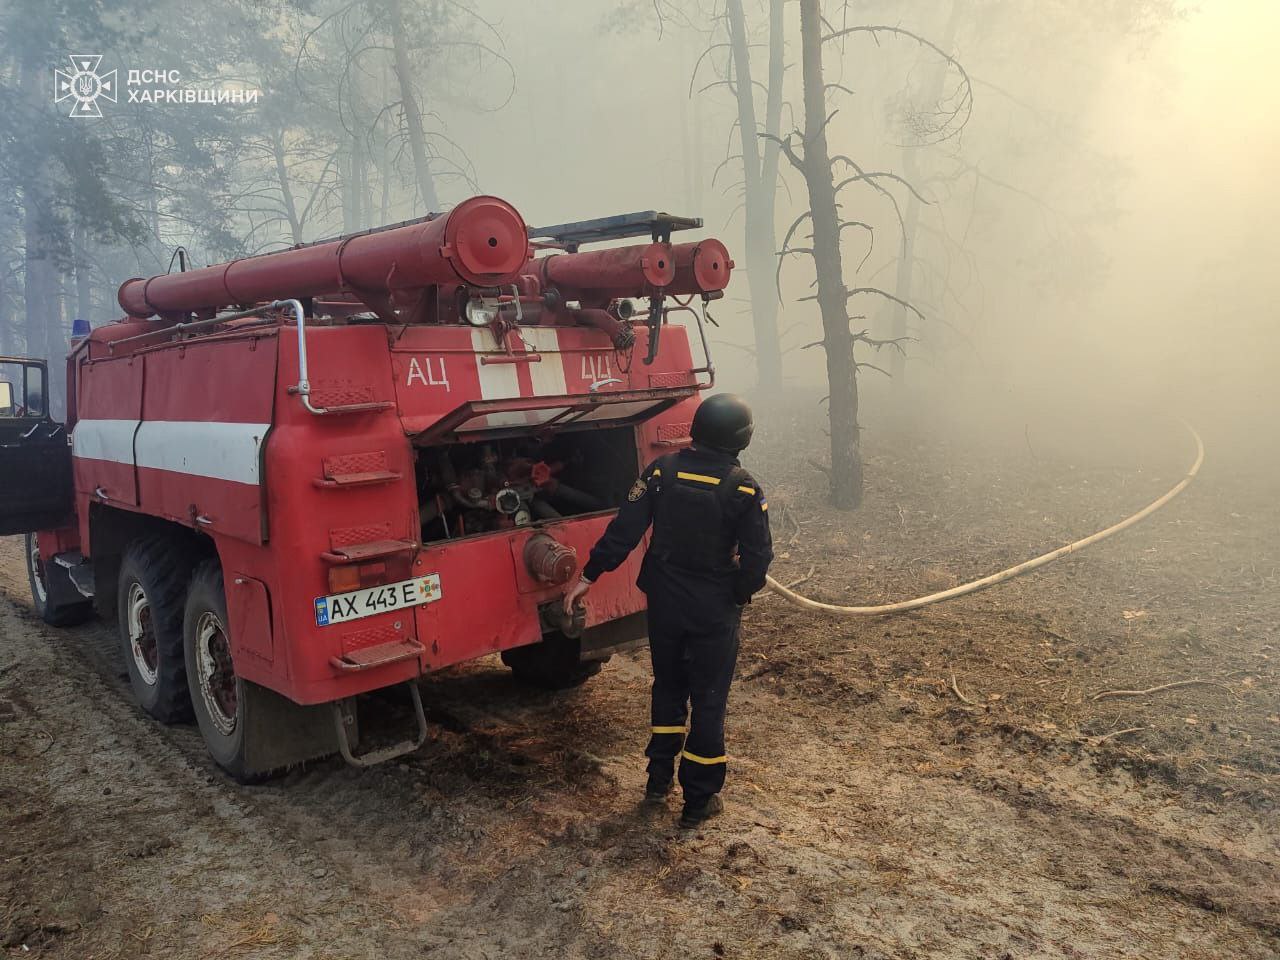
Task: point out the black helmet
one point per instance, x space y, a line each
723 422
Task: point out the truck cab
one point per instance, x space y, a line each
35 453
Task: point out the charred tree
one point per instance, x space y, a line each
837 338
815 163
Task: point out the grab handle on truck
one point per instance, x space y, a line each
303 387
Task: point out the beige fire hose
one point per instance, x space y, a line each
976 585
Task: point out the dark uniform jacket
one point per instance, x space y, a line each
711 546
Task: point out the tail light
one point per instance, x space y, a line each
372 573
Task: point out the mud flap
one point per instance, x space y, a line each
616 636
67 586
280 733
593 643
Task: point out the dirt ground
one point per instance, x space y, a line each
944 784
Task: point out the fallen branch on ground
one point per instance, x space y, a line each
1115 733
956 690
1177 684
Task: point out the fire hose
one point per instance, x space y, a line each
1008 574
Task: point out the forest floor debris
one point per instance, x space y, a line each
939 785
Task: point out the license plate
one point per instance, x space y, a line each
358 604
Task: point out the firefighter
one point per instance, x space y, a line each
709 553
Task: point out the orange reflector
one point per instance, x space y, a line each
344 579
357 576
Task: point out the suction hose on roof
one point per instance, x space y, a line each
989 581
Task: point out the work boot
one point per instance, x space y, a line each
656 790
695 815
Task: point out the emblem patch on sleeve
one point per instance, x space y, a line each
637 490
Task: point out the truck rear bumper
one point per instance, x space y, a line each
488 602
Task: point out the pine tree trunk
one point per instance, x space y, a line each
8 340
759 210
412 113
57 339
40 240
84 273
9 321
842 373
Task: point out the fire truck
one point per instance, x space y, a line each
299 477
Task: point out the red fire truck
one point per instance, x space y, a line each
299 477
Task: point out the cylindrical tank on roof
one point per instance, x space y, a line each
701 267
617 271
482 241
681 269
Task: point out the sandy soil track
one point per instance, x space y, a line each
872 812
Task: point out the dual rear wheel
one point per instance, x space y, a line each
176 645
217 693
150 597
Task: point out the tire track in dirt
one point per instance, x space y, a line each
164 858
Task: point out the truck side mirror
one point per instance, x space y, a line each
6 399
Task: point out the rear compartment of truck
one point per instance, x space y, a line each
468 489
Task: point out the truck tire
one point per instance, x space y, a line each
552 664
150 596
217 693
56 598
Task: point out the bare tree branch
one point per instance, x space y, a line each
876 174
965 108
785 146
888 296
860 364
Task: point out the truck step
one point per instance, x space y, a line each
384 654
346 481
348 470
390 752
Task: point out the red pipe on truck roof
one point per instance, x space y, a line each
620 271
680 269
703 266
482 241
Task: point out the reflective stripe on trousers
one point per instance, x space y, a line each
693 664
